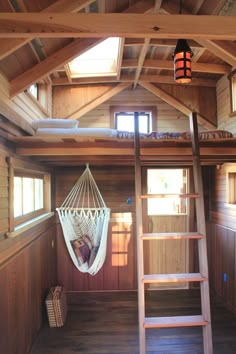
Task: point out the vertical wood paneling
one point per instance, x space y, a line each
24 282
223 106
222 236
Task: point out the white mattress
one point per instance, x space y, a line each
93 132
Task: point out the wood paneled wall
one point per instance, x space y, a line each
27 271
68 100
221 234
223 106
25 279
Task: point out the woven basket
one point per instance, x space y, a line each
56 305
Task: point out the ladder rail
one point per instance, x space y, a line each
202 277
139 231
201 227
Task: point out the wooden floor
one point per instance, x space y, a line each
108 323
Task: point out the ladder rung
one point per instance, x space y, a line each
171 235
180 195
173 278
176 321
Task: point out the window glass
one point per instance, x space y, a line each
33 89
167 181
28 195
125 121
18 196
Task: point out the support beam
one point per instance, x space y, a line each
176 103
86 25
8 46
168 65
54 61
141 59
99 100
222 49
160 79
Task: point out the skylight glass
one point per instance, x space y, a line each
100 60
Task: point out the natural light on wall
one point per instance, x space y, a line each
101 60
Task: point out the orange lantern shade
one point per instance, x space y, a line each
182 62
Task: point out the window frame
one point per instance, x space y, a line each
20 169
131 109
232 83
28 216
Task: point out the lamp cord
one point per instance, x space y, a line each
180 7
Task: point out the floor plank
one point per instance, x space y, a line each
107 323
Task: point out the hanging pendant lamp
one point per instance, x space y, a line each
182 60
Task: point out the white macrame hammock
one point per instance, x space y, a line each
84 219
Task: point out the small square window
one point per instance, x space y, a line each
125 121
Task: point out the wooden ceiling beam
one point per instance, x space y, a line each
8 46
99 100
61 57
140 61
168 65
86 25
160 79
180 106
130 42
52 62
222 49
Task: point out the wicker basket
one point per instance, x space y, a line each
56 305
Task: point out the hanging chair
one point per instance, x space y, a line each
84 218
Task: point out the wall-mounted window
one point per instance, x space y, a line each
125 121
164 182
122 118
232 80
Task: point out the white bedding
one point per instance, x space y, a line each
93 132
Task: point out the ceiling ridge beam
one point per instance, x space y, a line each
86 25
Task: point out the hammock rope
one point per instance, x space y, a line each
84 218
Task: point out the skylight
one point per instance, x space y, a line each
101 60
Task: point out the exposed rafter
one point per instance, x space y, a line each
99 100
52 62
222 49
160 79
168 65
54 25
141 59
176 103
8 46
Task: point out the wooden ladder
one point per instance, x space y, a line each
204 319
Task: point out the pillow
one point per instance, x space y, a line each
82 249
55 123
